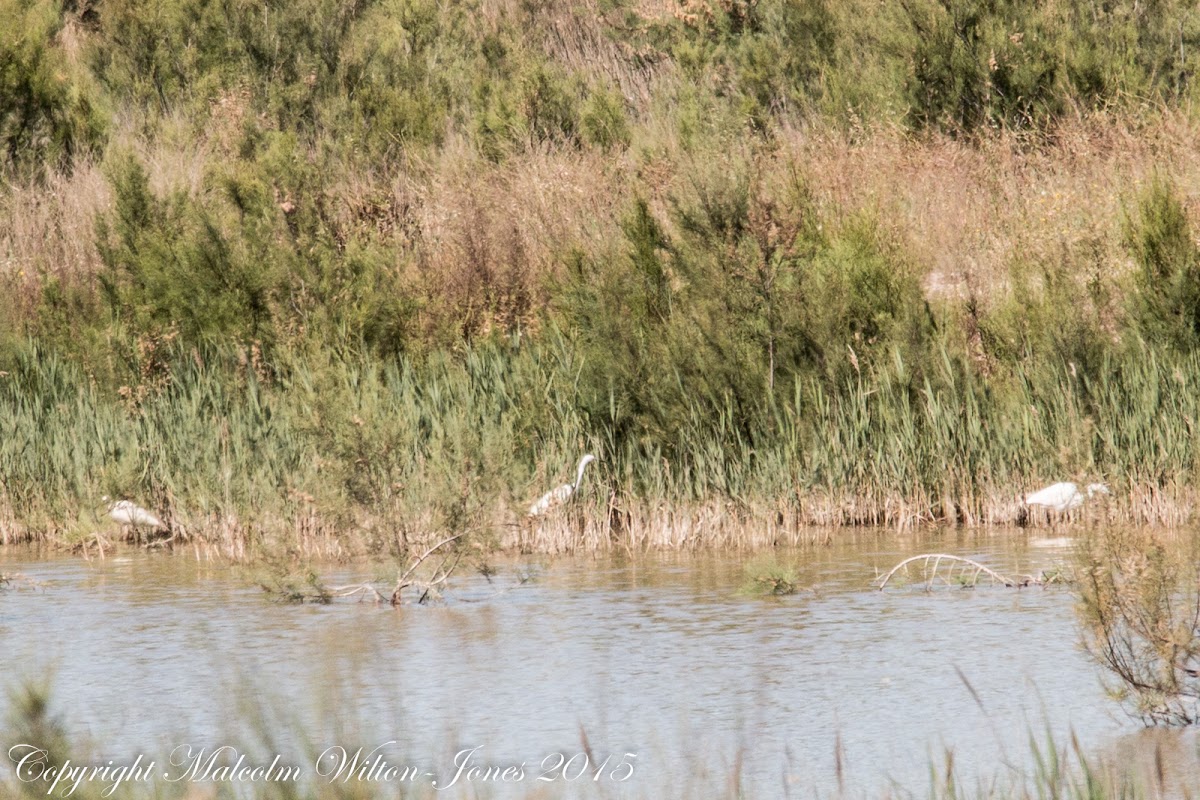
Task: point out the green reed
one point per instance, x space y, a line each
377 451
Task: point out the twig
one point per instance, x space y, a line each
403 582
357 588
17 579
937 559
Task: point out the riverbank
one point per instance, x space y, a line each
309 290
363 456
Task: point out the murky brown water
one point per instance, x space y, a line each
661 657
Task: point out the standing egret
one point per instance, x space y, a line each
125 513
1064 496
556 497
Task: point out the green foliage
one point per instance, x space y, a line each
49 114
982 62
1050 315
243 261
864 299
523 101
767 577
769 57
1121 50
170 265
1166 305
1022 64
393 86
602 121
724 319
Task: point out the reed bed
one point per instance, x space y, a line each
360 456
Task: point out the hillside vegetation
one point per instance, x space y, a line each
336 276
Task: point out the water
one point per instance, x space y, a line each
660 657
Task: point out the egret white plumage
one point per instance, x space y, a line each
125 512
556 497
1064 496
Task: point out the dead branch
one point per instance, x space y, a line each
365 589
403 582
307 587
17 580
969 571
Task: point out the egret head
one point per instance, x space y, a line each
1098 488
587 459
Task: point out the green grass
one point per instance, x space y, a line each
369 454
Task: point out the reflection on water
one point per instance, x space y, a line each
661 657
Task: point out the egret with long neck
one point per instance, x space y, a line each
556 497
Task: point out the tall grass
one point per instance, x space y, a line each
355 454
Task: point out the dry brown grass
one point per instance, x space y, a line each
622 524
492 239
488 237
482 246
971 211
48 229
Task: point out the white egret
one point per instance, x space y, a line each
556 497
1064 496
124 512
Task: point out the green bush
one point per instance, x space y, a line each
726 318
170 265
983 62
1131 50
768 58
602 120
49 112
524 101
1051 315
1166 305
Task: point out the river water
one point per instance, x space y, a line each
659 664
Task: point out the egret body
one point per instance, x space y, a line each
1064 496
125 512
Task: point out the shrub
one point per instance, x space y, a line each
602 121
1141 613
714 325
523 102
170 264
768 57
977 62
1053 314
49 114
1166 305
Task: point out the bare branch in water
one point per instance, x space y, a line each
286 586
404 580
961 571
365 589
17 580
